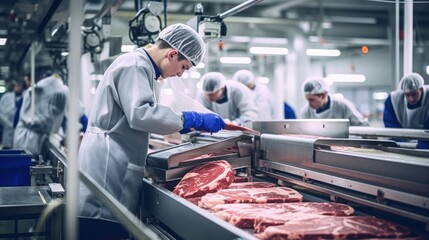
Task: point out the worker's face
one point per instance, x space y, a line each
316 100
174 67
413 97
18 88
213 97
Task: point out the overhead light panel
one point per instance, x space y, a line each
269 50
235 60
263 80
346 78
200 65
379 95
427 69
3 41
64 54
127 48
323 52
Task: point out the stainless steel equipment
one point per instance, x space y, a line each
173 163
317 158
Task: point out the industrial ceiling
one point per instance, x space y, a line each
345 24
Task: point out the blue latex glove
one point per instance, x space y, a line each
208 122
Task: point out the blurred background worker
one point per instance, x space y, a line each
408 106
51 99
231 100
322 105
261 94
8 106
124 114
288 111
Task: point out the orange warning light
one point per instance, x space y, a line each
365 49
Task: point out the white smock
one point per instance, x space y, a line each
264 102
340 108
7 113
411 118
51 101
240 106
114 148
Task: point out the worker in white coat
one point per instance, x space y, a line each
7 113
124 113
51 99
408 106
231 100
261 94
322 105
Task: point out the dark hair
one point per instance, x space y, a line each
163 45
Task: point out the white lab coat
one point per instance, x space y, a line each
7 113
264 102
340 108
411 118
114 148
50 104
240 106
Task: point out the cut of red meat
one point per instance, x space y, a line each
260 216
331 227
207 178
300 210
251 185
239 179
250 195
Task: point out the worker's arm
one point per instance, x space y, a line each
389 116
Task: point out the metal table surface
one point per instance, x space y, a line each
23 200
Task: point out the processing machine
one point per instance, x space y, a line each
316 157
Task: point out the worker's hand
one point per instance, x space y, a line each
209 122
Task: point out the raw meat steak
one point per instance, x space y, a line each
207 178
250 195
331 227
267 214
251 185
239 179
295 210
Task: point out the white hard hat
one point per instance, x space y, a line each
315 86
213 81
186 40
411 82
244 76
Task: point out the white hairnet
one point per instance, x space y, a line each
411 82
213 81
244 76
186 40
315 86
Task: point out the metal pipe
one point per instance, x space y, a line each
408 37
238 8
397 77
75 44
33 82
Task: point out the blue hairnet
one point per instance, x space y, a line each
411 82
213 81
315 86
186 40
244 76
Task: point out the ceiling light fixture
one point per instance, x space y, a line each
427 69
235 60
269 50
323 52
200 65
127 48
346 78
263 80
3 41
379 95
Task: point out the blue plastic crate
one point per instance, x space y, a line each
15 168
